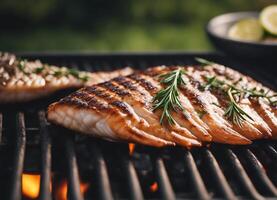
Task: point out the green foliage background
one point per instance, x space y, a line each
109 25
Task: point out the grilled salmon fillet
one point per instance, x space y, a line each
121 109
22 80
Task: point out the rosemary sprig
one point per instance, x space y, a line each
204 61
254 93
233 111
168 99
212 82
235 94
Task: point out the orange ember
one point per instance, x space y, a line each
84 187
61 193
154 187
30 185
131 148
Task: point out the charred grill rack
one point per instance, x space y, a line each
28 144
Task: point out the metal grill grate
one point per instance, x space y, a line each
28 144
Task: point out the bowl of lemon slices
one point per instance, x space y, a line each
246 34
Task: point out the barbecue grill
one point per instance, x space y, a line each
39 160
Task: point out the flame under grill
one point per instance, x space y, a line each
96 169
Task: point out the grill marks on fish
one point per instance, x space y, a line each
246 129
142 110
188 119
184 119
219 128
263 129
120 114
143 82
266 113
122 110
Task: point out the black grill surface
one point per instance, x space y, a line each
29 144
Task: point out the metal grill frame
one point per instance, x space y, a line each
166 191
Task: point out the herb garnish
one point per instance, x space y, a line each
212 82
204 61
73 72
261 93
21 66
38 70
234 111
235 94
55 72
168 99
58 73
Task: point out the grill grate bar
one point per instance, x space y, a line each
259 173
250 180
1 127
195 176
104 185
242 175
19 154
133 182
221 181
74 191
164 184
45 192
272 151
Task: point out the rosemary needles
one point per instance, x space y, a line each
167 99
234 111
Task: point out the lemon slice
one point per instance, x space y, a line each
268 18
246 29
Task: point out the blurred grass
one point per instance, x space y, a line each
106 25
113 37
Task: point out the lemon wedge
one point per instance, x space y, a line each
268 18
246 29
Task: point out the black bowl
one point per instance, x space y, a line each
217 30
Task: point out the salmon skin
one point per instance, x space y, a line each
22 80
122 109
